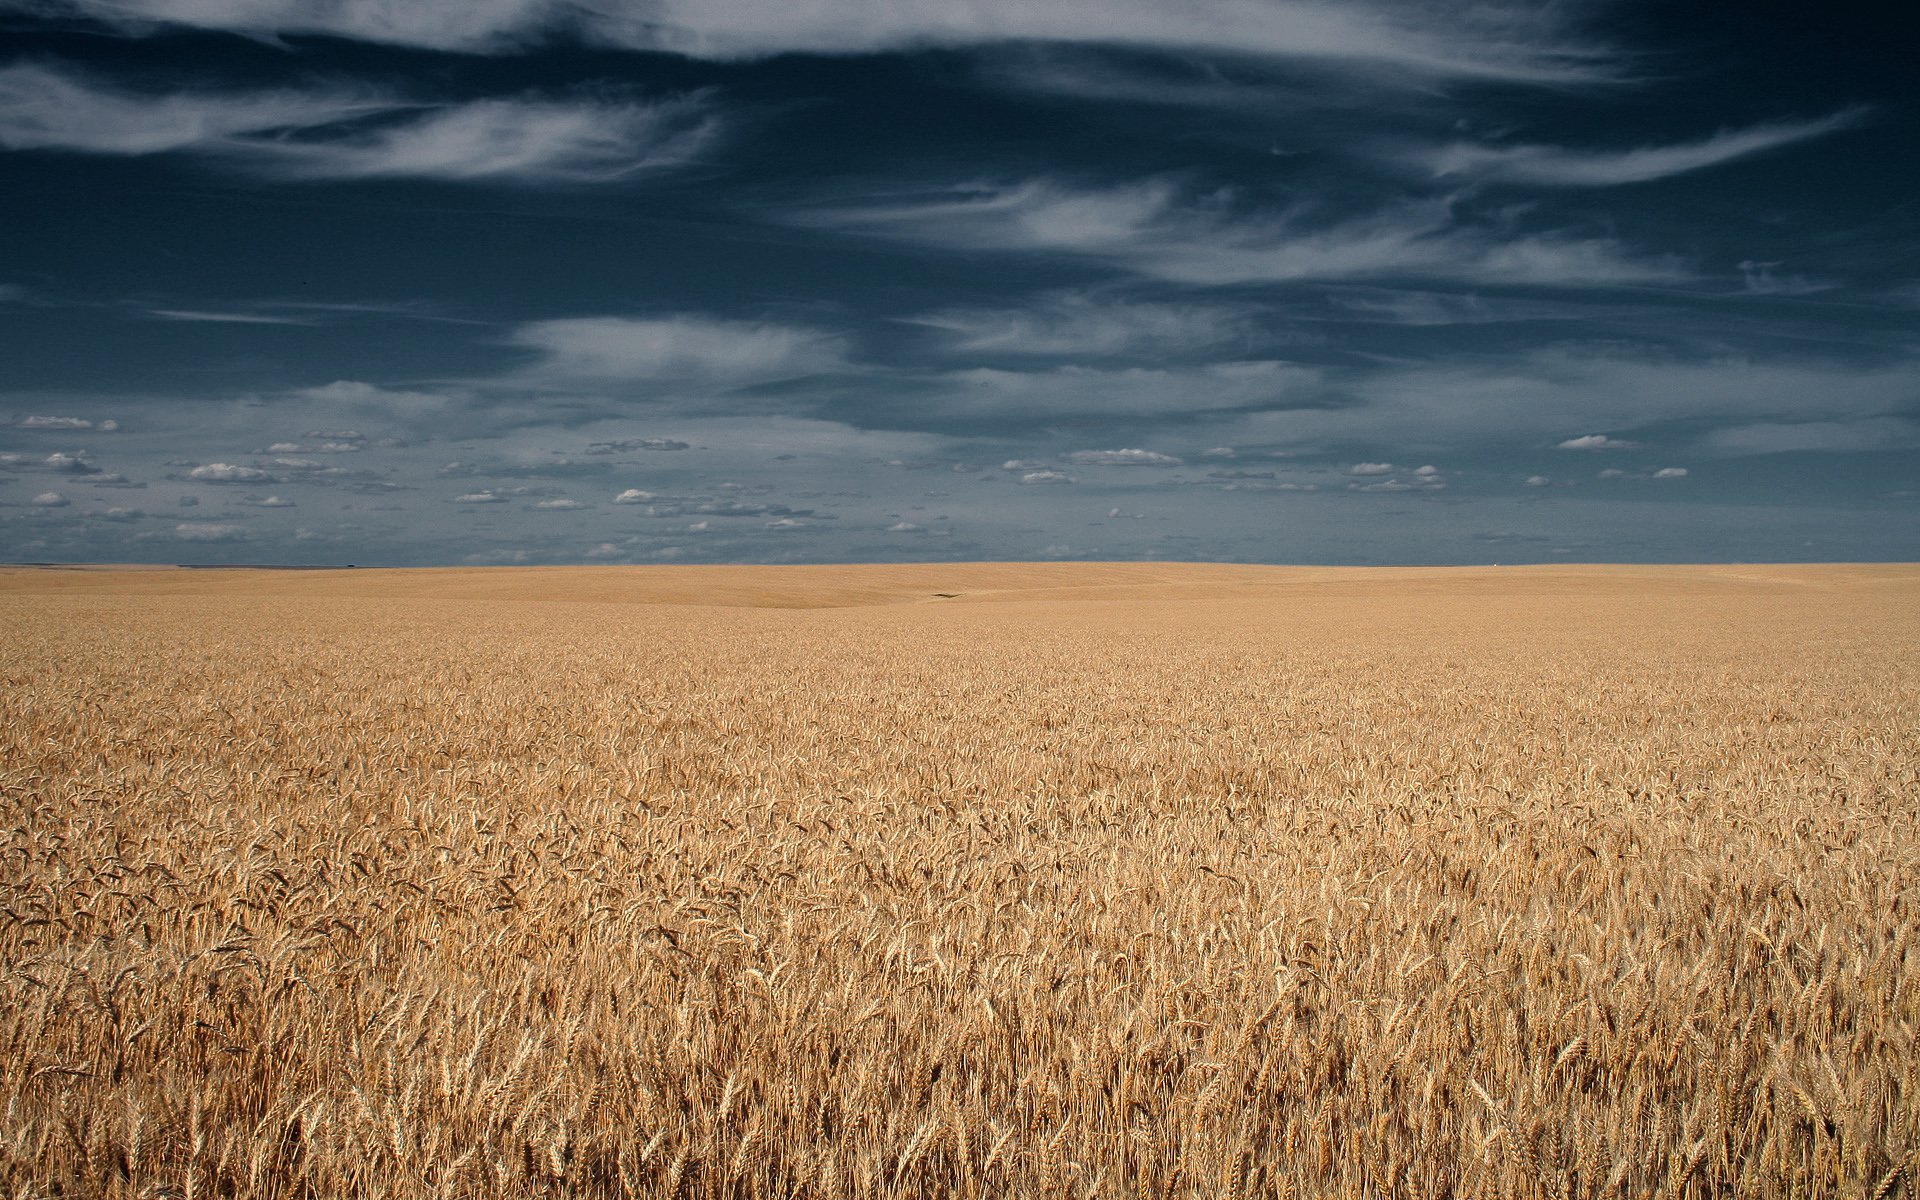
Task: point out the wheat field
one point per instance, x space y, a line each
961 881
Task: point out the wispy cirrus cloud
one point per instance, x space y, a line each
340 133
1162 230
212 316
687 348
1152 392
1081 324
1556 166
1498 40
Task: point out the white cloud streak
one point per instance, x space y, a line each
1121 458
1075 324
1155 229
323 134
1139 391
689 349
1554 166
1493 41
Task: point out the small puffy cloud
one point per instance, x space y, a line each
623 445
1670 473
699 526
480 498
314 448
1611 473
1595 441
1385 485
273 502
1046 477
1121 458
904 527
1220 452
122 514
1370 468
559 505
50 500
787 523
1023 464
209 531
219 472
1538 481
70 464
1427 472
634 496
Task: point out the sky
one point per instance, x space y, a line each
422 282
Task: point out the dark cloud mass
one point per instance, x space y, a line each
523 281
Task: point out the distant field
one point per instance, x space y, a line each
968 880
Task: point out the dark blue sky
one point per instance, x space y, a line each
414 281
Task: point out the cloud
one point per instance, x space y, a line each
1075 324
220 472
77 463
1534 398
634 496
273 502
355 400
50 500
623 445
1670 473
983 392
683 348
487 497
66 423
521 140
1538 481
1781 437
1490 41
559 505
315 448
1759 279
904 527
1157 228
209 531
475 25
1370 468
1595 441
344 133
1121 458
1046 477
226 318
43 108
1552 166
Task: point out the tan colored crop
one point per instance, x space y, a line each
1098 881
